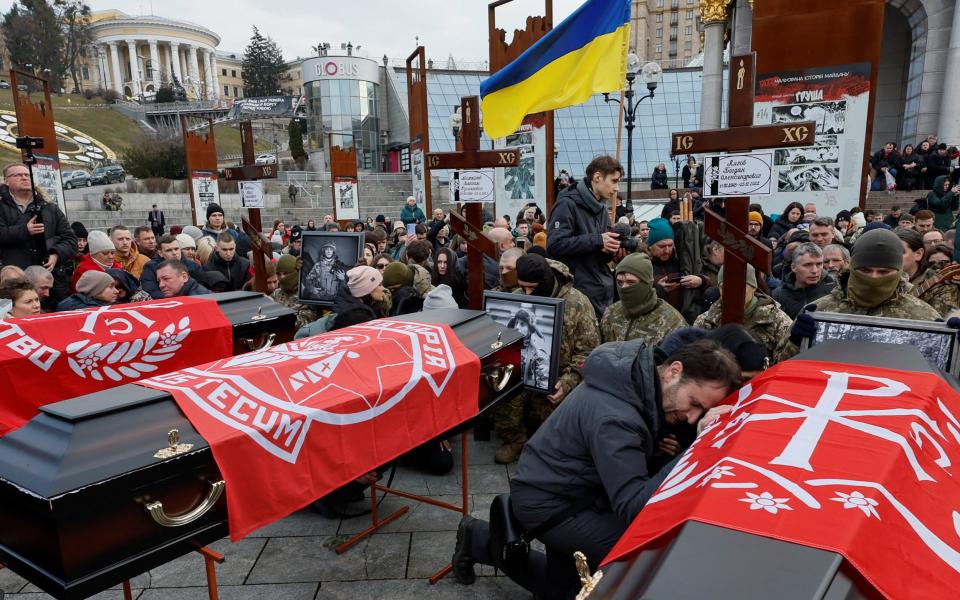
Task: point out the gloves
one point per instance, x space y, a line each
804 327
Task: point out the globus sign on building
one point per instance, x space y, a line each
340 67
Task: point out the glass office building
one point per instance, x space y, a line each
342 98
587 130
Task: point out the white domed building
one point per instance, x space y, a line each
135 55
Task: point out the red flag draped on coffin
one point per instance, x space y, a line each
859 460
57 356
295 422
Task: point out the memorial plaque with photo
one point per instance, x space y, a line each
937 342
327 256
540 321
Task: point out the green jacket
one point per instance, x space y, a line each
942 204
901 306
651 327
767 322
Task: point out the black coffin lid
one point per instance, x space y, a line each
241 307
70 445
706 561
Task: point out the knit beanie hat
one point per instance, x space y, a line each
193 232
875 225
540 239
363 280
92 282
213 208
637 264
440 297
186 241
397 273
97 241
751 277
843 215
287 264
859 220
660 230
756 217
877 248
79 229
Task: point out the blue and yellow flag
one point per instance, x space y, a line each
584 55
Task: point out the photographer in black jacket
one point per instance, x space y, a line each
579 230
34 231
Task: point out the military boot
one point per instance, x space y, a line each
508 452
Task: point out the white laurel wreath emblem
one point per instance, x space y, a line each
116 360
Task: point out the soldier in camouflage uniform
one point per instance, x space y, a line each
761 315
874 286
639 313
944 296
286 292
538 276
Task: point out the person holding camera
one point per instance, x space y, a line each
580 235
34 231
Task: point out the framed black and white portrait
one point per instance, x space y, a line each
540 321
939 344
327 256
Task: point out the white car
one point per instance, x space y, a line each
266 159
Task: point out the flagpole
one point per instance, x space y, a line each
613 201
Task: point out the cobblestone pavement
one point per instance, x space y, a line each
294 558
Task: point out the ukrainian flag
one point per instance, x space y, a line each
584 55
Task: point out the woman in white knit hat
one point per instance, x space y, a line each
94 288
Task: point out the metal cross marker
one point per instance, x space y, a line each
471 157
249 171
731 231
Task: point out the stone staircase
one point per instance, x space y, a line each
883 201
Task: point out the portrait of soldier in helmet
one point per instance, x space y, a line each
539 321
327 257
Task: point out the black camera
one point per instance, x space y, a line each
25 142
627 241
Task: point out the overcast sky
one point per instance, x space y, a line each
380 26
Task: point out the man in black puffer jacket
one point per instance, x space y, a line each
225 260
600 446
579 231
34 231
806 281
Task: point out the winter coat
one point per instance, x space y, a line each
148 278
576 224
658 180
599 442
903 305
192 288
780 227
411 215
87 264
942 204
767 322
792 299
79 301
134 263
17 245
237 271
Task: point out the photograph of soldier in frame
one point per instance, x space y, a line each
540 321
327 256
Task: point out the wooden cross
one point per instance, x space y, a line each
471 157
740 249
249 171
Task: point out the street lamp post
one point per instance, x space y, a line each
650 74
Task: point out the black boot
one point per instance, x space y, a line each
463 561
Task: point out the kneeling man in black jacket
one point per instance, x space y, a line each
590 468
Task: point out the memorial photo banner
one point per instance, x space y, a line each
848 458
57 356
293 423
837 99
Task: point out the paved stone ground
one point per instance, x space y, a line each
294 558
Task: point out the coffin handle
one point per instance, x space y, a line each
156 512
498 376
251 345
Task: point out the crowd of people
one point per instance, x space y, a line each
643 358
914 167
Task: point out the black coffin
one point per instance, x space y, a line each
698 560
258 322
76 481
